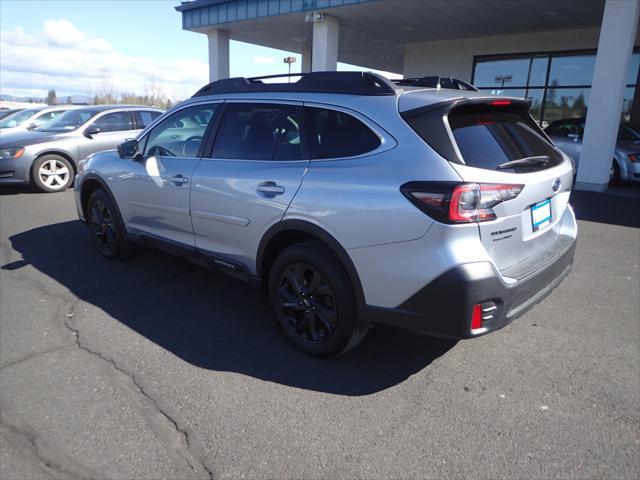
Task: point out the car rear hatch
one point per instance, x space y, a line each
515 183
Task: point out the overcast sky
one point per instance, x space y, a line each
82 47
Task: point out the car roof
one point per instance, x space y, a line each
102 108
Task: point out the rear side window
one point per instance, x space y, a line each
144 118
334 134
114 122
489 139
259 131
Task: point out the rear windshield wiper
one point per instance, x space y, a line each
538 160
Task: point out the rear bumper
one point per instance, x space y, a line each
444 307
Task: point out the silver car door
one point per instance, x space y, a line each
154 191
255 170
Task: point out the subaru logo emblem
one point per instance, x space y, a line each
556 184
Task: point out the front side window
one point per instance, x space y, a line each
259 131
181 134
334 134
114 122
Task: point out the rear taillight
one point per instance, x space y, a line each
459 202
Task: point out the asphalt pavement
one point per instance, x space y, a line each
155 368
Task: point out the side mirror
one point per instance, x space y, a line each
128 149
31 126
91 131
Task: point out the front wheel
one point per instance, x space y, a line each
106 226
313 300
52 173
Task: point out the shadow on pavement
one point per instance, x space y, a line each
212 321
621 210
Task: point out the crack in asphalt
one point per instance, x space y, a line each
29 440
185 452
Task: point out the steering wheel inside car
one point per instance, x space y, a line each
159 151
186 147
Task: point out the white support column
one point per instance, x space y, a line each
617 37
305 67
218 54
325 43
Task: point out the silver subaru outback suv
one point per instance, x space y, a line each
352 200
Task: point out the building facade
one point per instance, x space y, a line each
571 58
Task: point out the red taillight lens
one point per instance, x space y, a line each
476 317
461 202
500 103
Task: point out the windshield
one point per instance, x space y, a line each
18 118
67 121
626 134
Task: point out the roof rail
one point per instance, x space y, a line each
436 82
348 83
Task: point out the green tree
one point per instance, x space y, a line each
52 99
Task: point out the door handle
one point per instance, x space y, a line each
270 189
179 179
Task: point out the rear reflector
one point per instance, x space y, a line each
476 317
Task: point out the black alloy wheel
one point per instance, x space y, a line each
307 303
103 227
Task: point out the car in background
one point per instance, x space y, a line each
30 118
567 135
8 111
48 156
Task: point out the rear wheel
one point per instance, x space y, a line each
313 300
106 226
52 173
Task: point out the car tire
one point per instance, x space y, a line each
313 300
52 173
614 177
107 228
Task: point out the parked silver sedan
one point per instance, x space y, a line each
47 157
567 135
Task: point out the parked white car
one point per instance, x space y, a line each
31 118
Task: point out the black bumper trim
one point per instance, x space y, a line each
443 308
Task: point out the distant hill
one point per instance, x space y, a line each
75 99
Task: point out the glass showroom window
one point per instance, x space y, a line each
558 84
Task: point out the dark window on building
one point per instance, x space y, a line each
558 84
259 131
334 134
114 122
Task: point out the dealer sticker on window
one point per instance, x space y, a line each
541 215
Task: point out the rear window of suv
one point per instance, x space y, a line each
487 138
